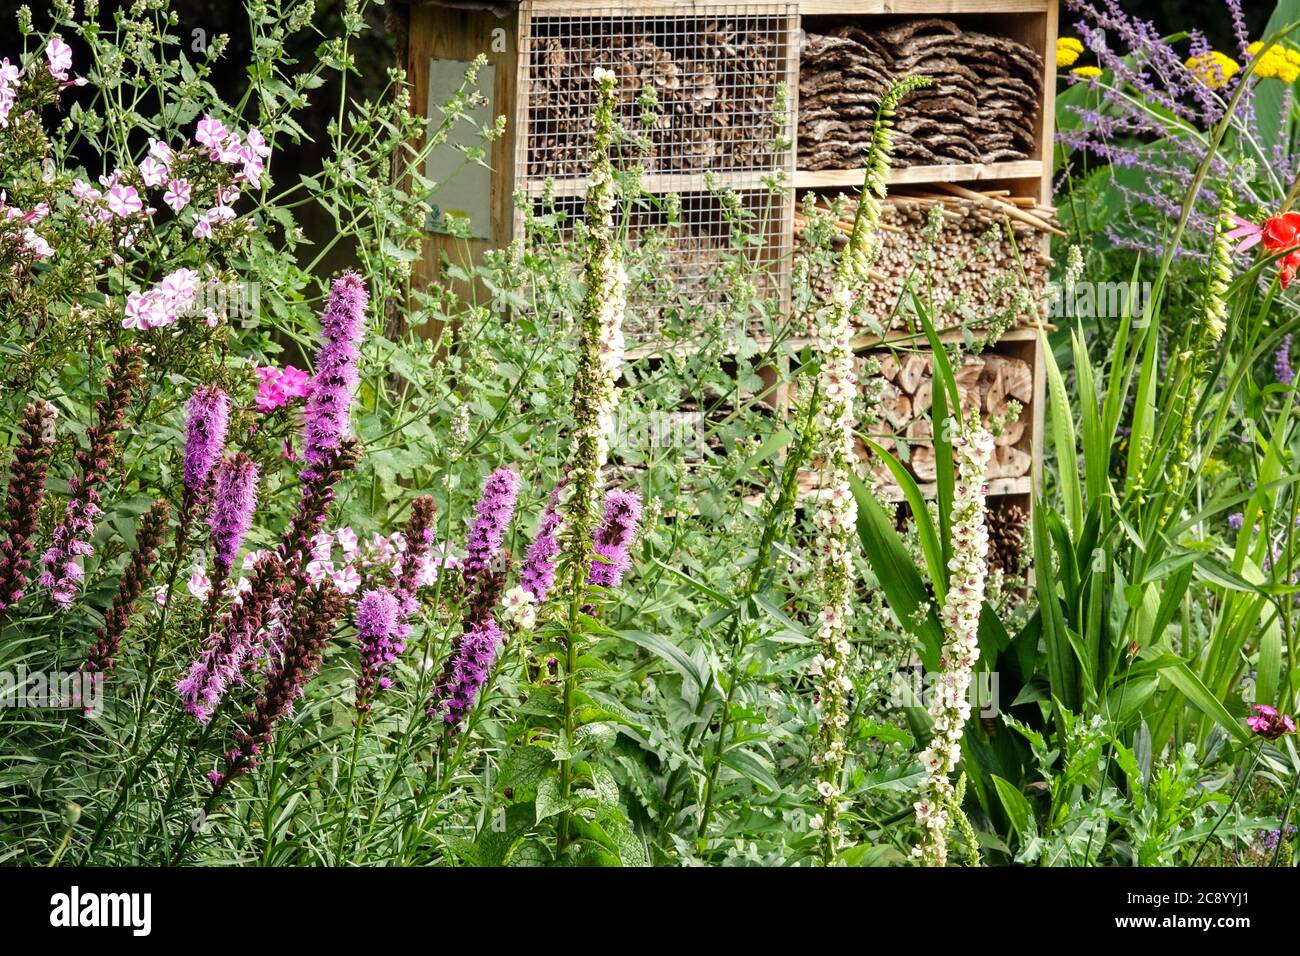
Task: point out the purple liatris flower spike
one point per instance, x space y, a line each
230 644
207 415
474 658
27 472
538 573
329 396
614 538
379 614
496 507
1282 363
233 501
61 570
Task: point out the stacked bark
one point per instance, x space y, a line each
973 262
715 81
981 108
987 383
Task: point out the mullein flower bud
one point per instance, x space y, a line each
835 513
1219 273
149 537
61 571
27 471
950 705
600 352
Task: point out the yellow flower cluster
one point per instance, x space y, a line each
1214 69
1087 72
1277 61
1067 51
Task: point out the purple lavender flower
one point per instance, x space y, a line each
329 397
474 659
1236 520
614 538
496 506
232 510
378 621
538 573
1282 363
208 413
1153 96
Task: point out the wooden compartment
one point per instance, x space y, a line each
972 254
988 382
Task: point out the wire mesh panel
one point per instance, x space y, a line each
714 74
699 264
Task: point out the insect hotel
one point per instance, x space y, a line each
756 94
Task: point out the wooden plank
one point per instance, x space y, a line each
658 183
438 32
920 175
932 8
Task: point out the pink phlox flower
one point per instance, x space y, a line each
347 580
161 153
177 195
59 56
152 172
210 132
124 200
199 584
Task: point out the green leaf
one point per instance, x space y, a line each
1063 437
752 767
898 576
925 530
1061 667
1019 811
671 654
1179 676
525 767
549 802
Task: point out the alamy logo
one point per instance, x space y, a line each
56 690
76 909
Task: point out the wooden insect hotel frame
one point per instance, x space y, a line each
974 150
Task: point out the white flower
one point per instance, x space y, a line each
950 703
347 580
199 585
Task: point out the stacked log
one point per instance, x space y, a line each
1007 538
973 264
981 108
986 383
715 81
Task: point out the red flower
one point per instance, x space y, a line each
1282 232
1286 267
